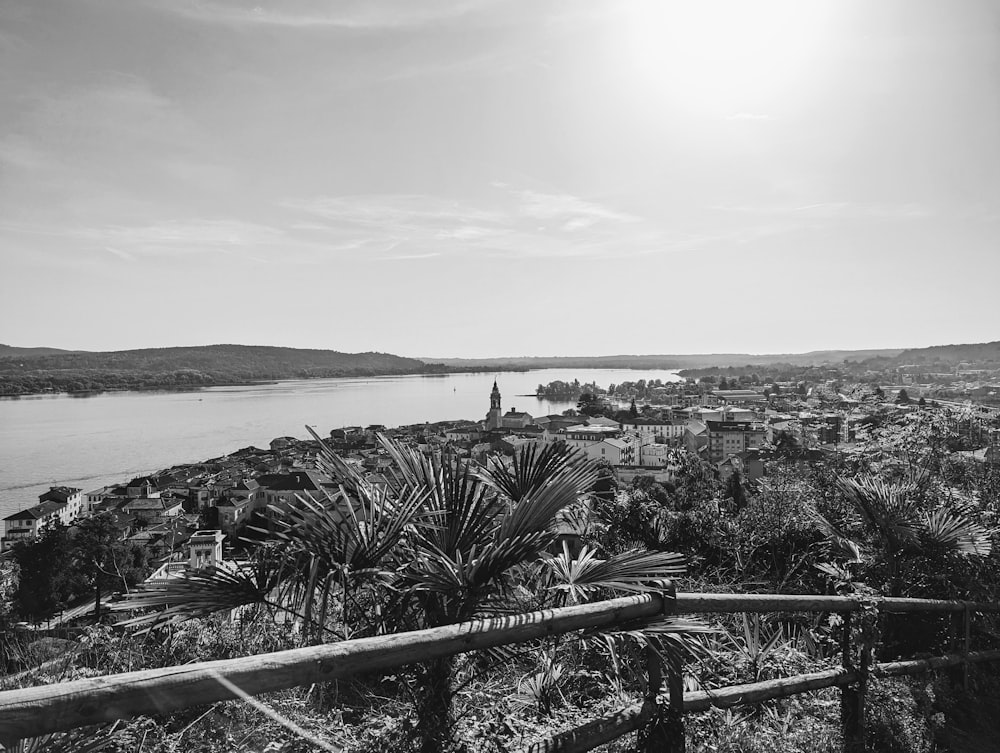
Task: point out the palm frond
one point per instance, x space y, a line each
840 544
204 592
889 508
954 532
533 467
635 571
354 534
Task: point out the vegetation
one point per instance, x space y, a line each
445 541
64 565
190 368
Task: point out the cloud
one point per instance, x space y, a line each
515 223
119 253
360 15
570 209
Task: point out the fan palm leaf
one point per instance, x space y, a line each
533 467
635 571
955 532
888 508
201 593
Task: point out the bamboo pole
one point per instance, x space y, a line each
30 712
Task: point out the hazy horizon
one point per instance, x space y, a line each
472 177
608 354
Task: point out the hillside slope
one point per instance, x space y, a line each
187 367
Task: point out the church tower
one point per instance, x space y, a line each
493 418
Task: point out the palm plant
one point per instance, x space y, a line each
442 541
898 526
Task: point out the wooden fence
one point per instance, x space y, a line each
30 712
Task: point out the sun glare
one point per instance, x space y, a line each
720 55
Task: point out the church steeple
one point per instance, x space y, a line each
493 418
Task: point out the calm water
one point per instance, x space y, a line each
88 442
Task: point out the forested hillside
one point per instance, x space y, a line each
187 367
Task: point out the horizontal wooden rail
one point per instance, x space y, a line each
768 690
701 603
30 712
600 731
916 666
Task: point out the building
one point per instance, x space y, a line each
514 419
72 501
283 488
204 552
494 417
27 524
728 438
655 430
233 513
153 510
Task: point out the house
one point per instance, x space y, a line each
514 419
728 438
655 430
695 436
233 513
70 498
141 486
283 488
153 510
27 524
614 451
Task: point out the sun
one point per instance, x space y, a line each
720 55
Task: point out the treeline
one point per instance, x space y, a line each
191 368
560 390
753 375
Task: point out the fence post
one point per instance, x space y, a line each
675 712
655 736
852 700
958 674
968 645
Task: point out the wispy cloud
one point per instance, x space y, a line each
517 222
359 15
574 212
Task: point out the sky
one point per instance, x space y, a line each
490 178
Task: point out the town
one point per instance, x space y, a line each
197 515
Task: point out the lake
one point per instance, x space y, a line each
94 440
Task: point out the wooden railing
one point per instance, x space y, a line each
30 712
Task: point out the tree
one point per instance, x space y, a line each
104 561
48 580
633 412
895 526
589 404
442 542
902 397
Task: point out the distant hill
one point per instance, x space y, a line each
188 367
981 355
10 351
683 361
